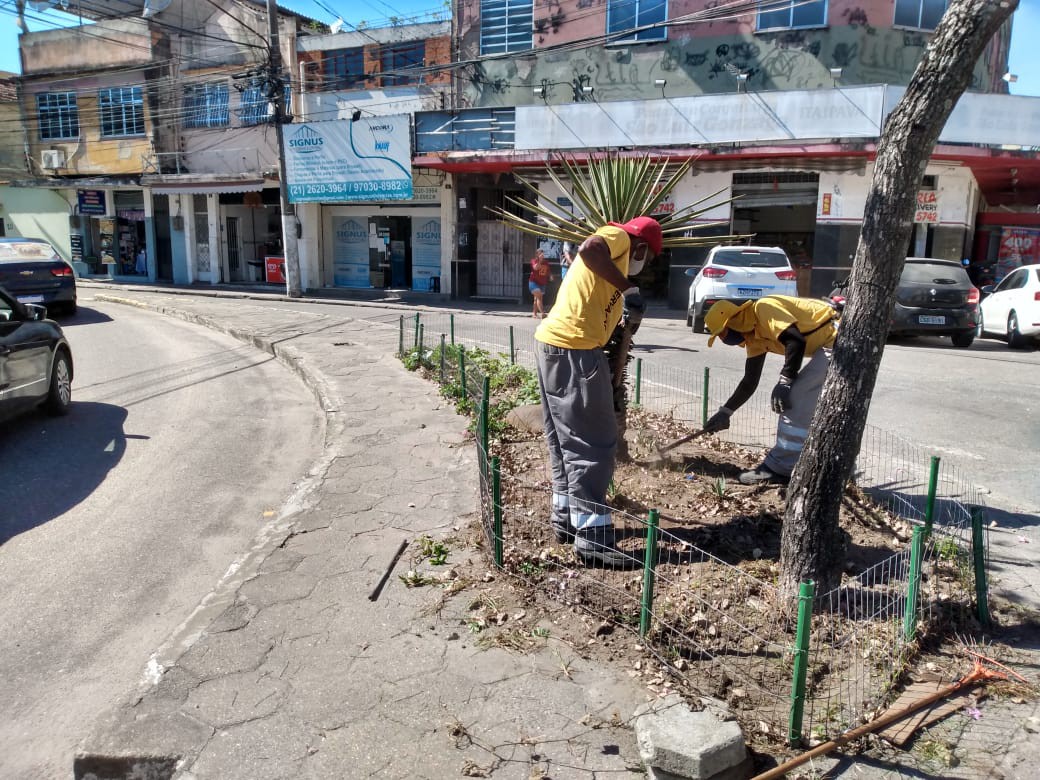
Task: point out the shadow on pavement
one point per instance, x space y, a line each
59 460
83 316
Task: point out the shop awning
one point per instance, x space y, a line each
199 185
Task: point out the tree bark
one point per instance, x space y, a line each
812 543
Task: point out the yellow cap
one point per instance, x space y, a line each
717 317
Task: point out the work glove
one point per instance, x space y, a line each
635 306
781 398
718 421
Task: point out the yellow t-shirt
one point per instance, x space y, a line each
766 318
587 308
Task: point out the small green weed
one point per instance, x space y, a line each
529 568
416 579
719 488
436 552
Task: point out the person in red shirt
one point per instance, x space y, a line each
540 276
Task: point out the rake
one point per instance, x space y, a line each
984 669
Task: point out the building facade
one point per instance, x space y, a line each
363 88
152 133
780 109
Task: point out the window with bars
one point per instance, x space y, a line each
506 25
344 68
920 14
396 61
255 108
626 14
121 111
58 115
796 13
206 105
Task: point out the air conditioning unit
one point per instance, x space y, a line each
52 159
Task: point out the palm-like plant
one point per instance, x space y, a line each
612 188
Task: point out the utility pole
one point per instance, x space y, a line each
276 94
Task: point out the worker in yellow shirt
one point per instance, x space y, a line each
795 328
574 377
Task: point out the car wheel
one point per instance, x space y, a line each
963 339
1015 338
698 324
70 308
689 320
980 331
59 397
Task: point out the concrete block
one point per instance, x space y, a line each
527 418
676 742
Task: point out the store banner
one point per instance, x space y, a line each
91 202
339 160
426 253
1018 246
350 252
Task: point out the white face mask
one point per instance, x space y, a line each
637 260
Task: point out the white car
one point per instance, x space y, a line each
738 274
1012 308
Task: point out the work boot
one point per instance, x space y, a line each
761 475
598 546
563 529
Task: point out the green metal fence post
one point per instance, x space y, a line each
806 593
978 555
451 324
462 371
496 497
933 481
442 358
639 379
400 338
417 329
512 348
485 411
649 561
422 329
704 398
914 583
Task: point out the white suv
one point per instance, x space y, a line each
738 274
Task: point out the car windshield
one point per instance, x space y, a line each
930 273
26 250
755 258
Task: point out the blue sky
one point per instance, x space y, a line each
1025 61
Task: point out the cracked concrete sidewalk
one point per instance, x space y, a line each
288 669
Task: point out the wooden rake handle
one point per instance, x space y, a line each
977 674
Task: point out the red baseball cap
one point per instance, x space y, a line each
646 228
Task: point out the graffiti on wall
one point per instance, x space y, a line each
791 59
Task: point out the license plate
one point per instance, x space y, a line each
749 292
927 319
30 298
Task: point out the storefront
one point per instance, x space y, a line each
383 246
110 232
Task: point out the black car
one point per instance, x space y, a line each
34 272
933 298
35 360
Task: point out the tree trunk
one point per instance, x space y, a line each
812 543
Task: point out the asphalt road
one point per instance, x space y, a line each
116 521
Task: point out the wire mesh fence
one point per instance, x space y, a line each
721 629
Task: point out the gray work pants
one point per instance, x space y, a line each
793 426
580 430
